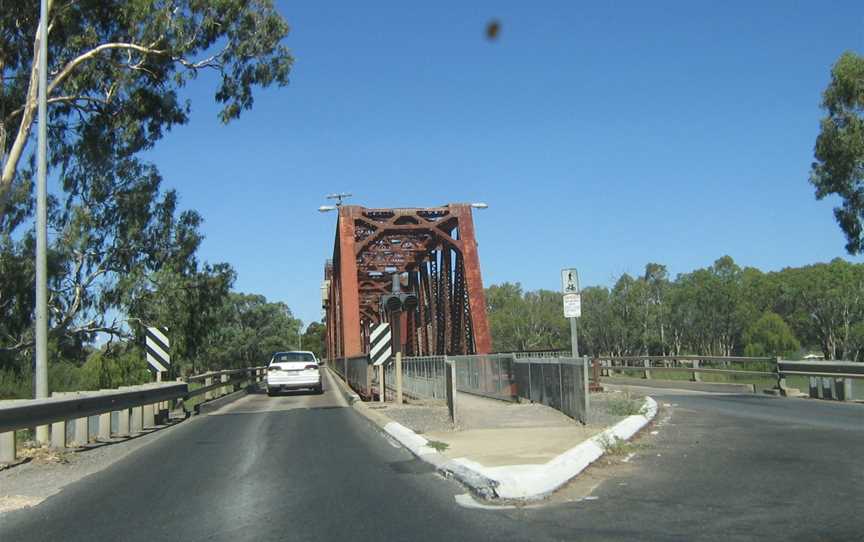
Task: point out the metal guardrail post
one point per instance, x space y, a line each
647 372
136 421
82 431
585 391
224 389
123 418
148 417
104 427
8 450
696 376
207 383
450 390
58 434
781 378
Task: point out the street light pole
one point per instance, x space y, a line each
41 332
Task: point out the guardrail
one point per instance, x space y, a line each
827 380
122 412
774 371
695 365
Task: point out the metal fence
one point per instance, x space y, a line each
558 383
423 377
355 371
543 354
489 375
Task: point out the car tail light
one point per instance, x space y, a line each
311 367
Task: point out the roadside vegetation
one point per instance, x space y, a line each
623 404
122 252
721 310
613 446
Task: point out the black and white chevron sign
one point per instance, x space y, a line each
379 344
158 349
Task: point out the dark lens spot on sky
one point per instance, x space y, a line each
492 29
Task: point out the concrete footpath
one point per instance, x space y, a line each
508 451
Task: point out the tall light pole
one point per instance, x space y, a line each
41 224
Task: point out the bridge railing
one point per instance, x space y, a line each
824 379
81 417
423 377
724 368
757 371
552 378
355 371
560 383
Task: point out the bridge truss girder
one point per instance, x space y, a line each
435 252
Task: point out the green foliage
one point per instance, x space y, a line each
770 336
315 339
120 247
719 310
839 151
116 71
112 368
625 405
522 321
247 331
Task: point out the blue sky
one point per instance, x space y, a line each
602 137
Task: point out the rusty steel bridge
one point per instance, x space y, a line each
434 252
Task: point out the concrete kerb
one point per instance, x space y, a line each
477 483
512 482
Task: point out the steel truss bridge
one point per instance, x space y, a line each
434 250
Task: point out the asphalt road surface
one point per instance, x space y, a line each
306 467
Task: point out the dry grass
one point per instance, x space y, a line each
44 454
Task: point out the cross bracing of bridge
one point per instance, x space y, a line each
434 251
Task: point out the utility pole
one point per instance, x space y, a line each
41 332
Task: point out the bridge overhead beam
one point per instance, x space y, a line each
435 251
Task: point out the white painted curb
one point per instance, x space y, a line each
524 481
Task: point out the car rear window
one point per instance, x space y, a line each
292 356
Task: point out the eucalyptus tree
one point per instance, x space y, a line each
116 75
839 151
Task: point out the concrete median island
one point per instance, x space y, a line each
506 450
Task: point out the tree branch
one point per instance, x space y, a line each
75 62
70 98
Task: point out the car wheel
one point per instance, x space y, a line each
270 393
319 390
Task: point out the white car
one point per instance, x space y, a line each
293 370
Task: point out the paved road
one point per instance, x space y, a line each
305 467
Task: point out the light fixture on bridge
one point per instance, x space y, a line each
480 205
325 208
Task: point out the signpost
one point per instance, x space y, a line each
572 304
380 350
158 349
